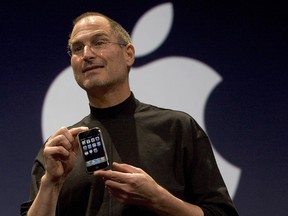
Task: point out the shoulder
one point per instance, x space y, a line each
161 112
171 117
83 122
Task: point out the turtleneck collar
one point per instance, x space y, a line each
127 107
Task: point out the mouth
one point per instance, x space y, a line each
93 67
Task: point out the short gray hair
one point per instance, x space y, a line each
120 33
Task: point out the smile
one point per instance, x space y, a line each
91 68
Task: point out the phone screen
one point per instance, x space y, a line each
93 149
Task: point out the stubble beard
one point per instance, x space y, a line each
94 86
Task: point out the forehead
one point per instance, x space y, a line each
88 25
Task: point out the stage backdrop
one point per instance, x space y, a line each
223 63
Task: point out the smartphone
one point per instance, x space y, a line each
93 149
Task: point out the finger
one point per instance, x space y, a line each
59 140
111 175
69 134
126 168
64 137
56 152
63 131
120 173
105 174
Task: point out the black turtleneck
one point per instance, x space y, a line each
126 108
168 145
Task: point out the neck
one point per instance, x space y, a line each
108 98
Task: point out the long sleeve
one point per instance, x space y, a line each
38 171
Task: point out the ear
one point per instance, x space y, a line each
130 54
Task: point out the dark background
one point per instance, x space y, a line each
246 116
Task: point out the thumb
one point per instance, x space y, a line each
75 131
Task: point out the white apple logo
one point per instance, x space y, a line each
174 82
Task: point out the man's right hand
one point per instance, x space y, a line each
60 153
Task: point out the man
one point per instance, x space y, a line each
161 160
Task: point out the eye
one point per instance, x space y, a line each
76 48
99 43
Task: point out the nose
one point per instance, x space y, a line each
88 52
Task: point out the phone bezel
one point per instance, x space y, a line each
82 135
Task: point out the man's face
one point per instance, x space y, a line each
107 67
